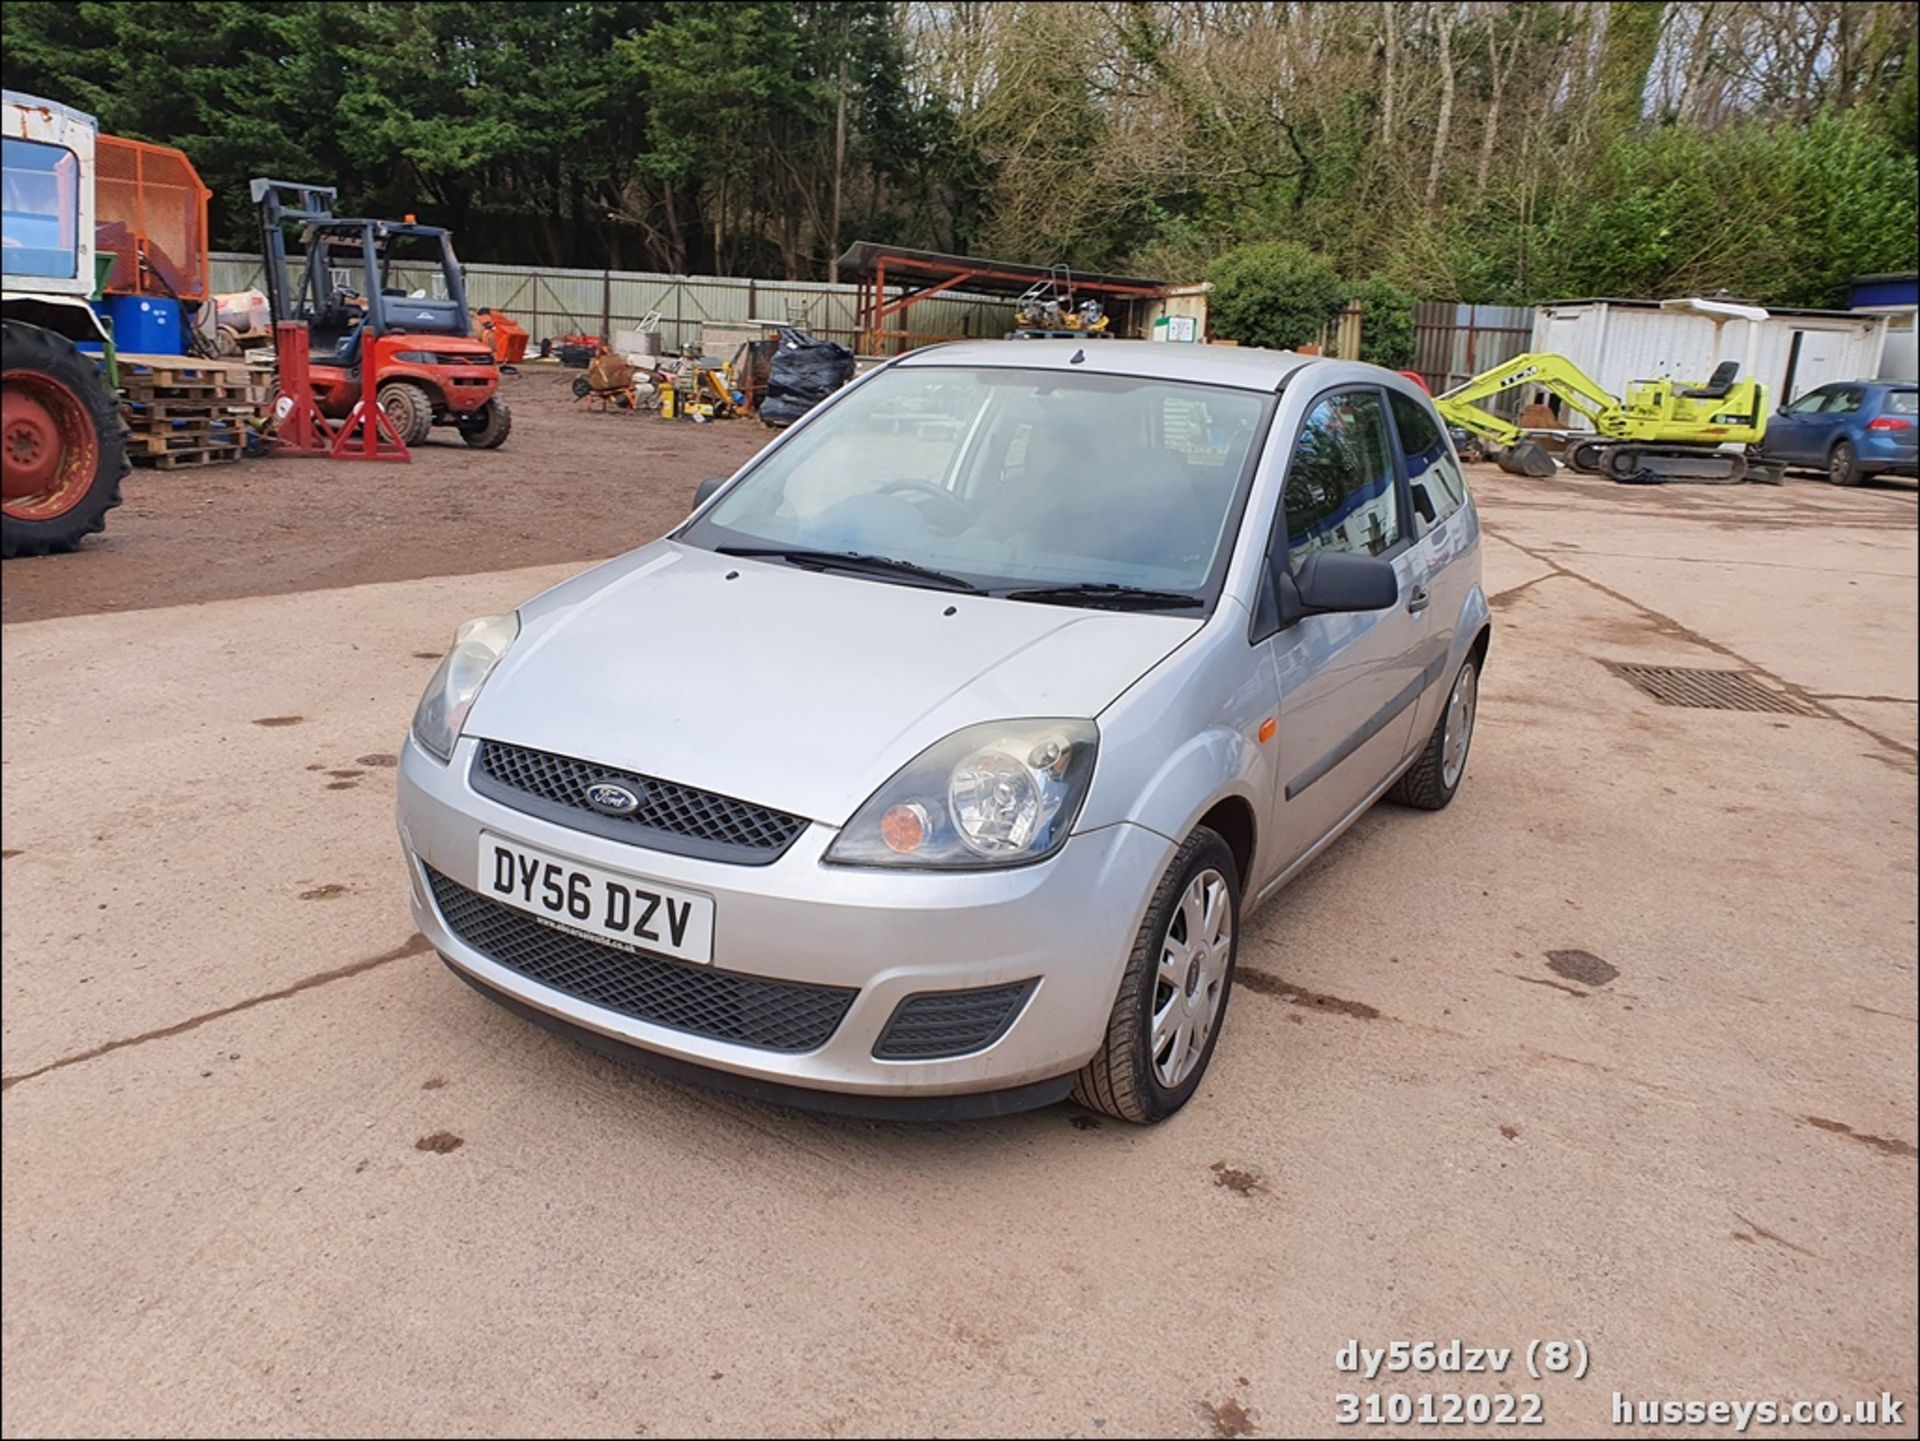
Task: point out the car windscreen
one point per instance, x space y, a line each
1012 478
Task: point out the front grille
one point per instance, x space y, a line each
934 1024
670 817
723 1005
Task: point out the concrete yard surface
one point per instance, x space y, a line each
1618 1050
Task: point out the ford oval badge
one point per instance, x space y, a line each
612 800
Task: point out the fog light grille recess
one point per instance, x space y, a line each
936 1024
1710 689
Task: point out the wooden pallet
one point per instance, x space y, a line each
188 370
149 393
179 459
144 443
184 411
140 412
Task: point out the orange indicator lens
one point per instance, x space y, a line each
904 829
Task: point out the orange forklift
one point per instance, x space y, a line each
385 298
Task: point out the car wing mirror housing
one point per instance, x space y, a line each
704 491
1332 582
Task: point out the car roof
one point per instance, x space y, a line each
1236 365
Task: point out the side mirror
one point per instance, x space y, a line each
704 492
1333 582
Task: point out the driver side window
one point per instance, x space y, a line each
1340 492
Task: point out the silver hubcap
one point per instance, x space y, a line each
1192 980
1460 707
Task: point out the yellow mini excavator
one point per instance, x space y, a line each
1665 430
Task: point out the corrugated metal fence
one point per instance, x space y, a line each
1453 343
599 302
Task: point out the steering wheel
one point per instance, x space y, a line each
941 508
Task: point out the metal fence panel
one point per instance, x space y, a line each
1455 342
552 301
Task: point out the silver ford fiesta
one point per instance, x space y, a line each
932 766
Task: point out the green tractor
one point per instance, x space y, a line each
63 443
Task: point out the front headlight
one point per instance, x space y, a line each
477 648
1000 794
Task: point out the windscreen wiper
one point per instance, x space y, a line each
1108 596
851 560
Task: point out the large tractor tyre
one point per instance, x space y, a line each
487 428
409 408
63 444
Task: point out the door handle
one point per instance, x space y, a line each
1417 602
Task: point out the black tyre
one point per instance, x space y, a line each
1173 996
409 408
1435 777
581 390
1843 466
488 427
63 443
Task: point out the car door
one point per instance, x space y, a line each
1837 420
1347 682
1789 433
1445 533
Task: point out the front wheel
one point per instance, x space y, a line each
1173 995
487 428
1430 783
1843 466
409 408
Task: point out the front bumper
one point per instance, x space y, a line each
1067 923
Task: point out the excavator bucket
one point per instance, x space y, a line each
1527 457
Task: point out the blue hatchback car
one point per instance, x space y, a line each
1851 429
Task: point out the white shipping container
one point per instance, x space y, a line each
1621 341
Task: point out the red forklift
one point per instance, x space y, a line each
387 298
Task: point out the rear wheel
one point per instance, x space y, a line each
1843 466
63 444
1173 995
409 408
487 428
1431 782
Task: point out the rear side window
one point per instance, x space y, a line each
1430 463
1845 402
1903 402
1340 492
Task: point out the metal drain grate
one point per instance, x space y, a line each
1709 689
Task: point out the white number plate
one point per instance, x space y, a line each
624 910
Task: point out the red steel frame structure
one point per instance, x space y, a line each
935 273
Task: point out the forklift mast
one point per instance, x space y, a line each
388 308
281 202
